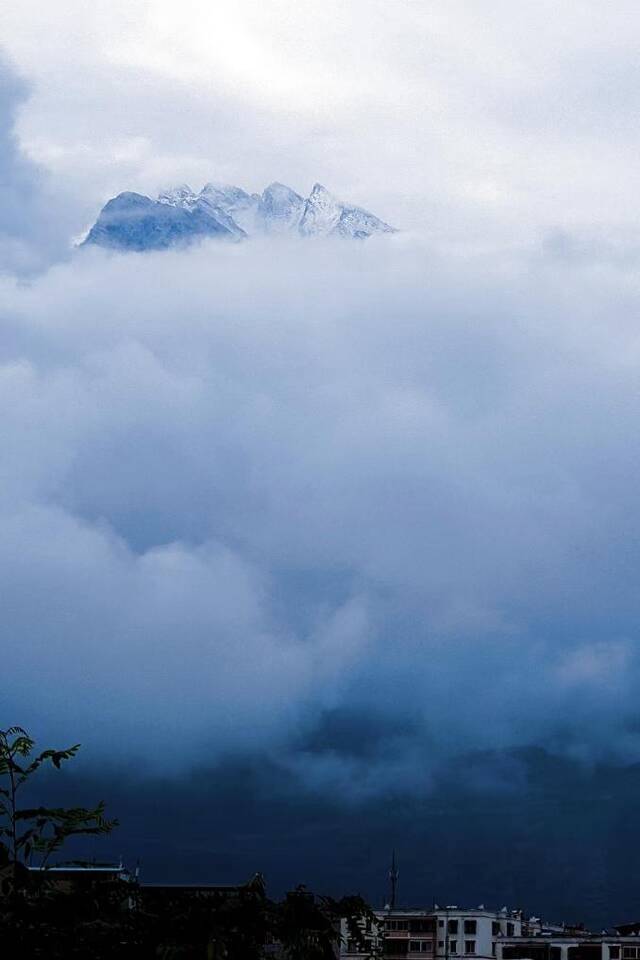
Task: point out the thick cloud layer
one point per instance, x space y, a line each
31 231
557 839
355 507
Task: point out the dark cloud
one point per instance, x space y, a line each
548 835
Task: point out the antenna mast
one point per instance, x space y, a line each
393 880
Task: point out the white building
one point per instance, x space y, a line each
473 933
568 946
453 933
394 934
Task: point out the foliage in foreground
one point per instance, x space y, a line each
32 835
116 918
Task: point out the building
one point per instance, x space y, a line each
452 932
473 932
440 933
535 927
407 934
394 934
82 877
173 896
570 946
214 891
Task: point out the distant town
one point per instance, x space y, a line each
398 932
451 931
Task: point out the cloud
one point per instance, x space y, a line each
565 848
467 121
274 493
30 236
320 539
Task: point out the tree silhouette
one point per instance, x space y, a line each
115 918
37 917
29 834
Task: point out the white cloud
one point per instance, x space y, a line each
479 123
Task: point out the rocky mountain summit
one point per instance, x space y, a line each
132 221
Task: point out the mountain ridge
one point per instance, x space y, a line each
179 215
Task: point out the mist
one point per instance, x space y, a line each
319 546
357 508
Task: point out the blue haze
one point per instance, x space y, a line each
357 523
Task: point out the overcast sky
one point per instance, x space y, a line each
463 118
359 521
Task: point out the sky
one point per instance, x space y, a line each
322 548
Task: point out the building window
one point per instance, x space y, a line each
493 949
629 953
614 953
453 926
470 926
420 946
440 944
469 946
441 923
453 946
395 948
510 929
495 929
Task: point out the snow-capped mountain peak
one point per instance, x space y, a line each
178 215
226 194
132 221
234 202
215 200
280 208
277 189
177 196
321 214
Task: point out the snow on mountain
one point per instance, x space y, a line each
219 214
360 224
280 209
234 202
210 200
324 216
180 196
131 221
321 213
228 197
